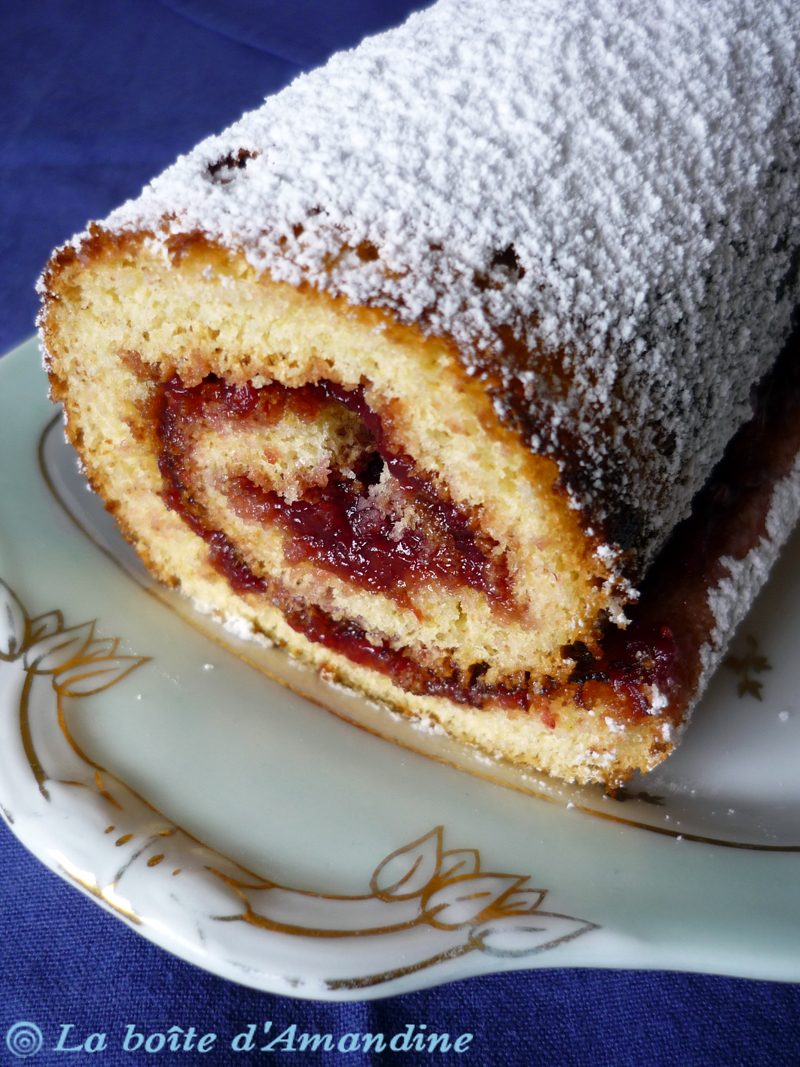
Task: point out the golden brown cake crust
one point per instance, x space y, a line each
109 375
418 367
579 722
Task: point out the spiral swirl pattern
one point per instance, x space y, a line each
24 1039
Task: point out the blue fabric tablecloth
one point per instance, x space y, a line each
99 96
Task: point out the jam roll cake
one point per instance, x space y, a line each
456 367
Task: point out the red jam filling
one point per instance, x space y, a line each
633 661
350 640
661 646
673 620
330 526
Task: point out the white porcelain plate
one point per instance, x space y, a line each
199 787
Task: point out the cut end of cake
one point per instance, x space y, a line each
337 479
420 367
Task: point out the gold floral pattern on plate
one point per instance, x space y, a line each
681 813
426 904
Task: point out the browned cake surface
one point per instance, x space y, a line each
419 367
338 481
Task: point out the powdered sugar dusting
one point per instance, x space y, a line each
732 598
614 184
234 624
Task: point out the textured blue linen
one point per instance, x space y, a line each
98 97
305 32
